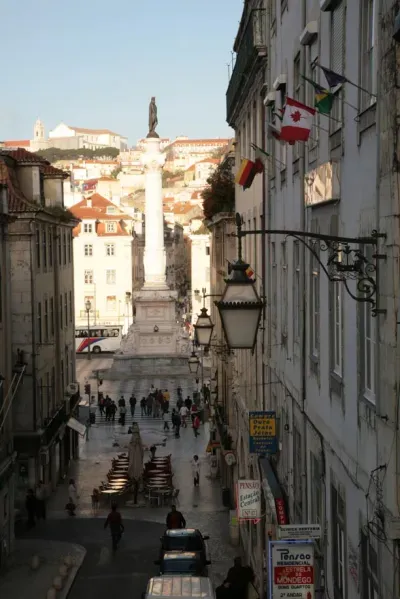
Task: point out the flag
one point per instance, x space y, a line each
279 114
297 121
257 168
323 97
333 79
244 171
274 132
249 272
260 154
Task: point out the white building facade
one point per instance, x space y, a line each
329 368
104 267
200 267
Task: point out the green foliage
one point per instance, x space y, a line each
114 174
63 214
219 195
55 154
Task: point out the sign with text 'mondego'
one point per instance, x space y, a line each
249 499
291 570
262 435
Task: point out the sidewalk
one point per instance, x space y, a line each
201 506
23 582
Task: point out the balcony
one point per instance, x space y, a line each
252 47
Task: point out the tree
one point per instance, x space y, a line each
55 154
114 173
219 195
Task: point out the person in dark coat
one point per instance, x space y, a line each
175 519
30 504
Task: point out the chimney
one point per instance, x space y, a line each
89 203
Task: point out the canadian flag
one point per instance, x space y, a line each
297 121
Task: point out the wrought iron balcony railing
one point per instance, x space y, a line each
252 46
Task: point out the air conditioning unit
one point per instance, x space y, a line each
72 389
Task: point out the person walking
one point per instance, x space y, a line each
101 405
177 424
72 497
166 421
114 521
184 414
188 403
41 501
132 403
196 470
143 407
175 519
121 401
149 403
113 410
196 425
30 504
122 415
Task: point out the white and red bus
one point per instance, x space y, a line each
100 339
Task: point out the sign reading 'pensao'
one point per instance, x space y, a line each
292 570
249 499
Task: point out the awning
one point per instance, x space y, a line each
77 426
273 492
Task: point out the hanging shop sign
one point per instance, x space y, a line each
249 499
230 458
291 569
299 531
262 427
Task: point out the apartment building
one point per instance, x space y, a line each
330 359
44 393
200 272
103 269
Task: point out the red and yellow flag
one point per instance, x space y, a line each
245 172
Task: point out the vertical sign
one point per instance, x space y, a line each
262 427
291 569
249 499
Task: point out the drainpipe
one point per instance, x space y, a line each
263 254
303 224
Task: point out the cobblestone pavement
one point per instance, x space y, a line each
101 574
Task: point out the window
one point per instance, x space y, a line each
66 362
337 45
207 250
297 475
316 495
64 248
314 76
111 277
284 289
46 320
337 317
44 246
50 246
314 304
369 351
111 210
38 260
39 322
111 227
88 277
52 316
62 375
88 248
53 387
338 508
110 249
296 291
65 308
60 308
59 249
274 282
296 96
69 240
70 306
367 52
111 304
369 568
87 228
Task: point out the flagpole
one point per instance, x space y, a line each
328 116
366 91
322 128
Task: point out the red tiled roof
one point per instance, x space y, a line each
200 142
17 202
211 160
53 172
196 195
107 179
19 143
191 168
93 131
98 209
23 156
101 231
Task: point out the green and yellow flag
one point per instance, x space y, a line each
323 97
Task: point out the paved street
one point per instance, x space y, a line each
103 574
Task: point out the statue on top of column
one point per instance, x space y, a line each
153 120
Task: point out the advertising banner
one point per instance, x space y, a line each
262 438
291 570
249 499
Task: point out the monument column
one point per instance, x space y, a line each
154 259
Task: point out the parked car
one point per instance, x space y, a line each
184 539
188 563
179 587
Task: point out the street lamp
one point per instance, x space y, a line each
88 307
203 327
193 362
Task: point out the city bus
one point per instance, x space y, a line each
101 339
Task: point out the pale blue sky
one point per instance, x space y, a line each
95 63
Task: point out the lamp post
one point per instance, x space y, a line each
88 307
193 362
204 325
241 307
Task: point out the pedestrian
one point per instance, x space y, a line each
177 424
72 497
184 414
108 408
179 403
121 401
30 504
114 521
188 403
152 390
143 406
179 391
95 499
166 421
132 403
153 450
193 411
157 406
196 425
196 470
237 581
175 519
113 410
122 415
41 501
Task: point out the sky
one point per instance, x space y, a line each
96 64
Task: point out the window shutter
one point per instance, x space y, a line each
338 38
